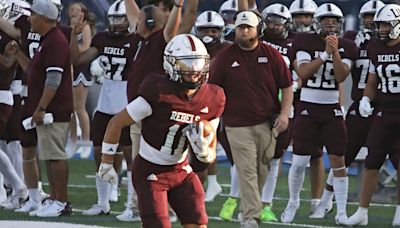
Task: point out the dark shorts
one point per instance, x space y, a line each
28 137
283 140
12 129
383 139
157 185
357 132
99 126
318 125
5 113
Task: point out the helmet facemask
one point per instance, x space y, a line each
276 27
299 23
328 28
182 69
211 37
117 25
367 24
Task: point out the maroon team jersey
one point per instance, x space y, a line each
324 78
172 111
147 59
52 55
282 45
117 54
386 61
6 74
251 80
214 51
359 73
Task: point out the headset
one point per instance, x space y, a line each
261 24
150 23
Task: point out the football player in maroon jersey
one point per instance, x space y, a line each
383 85
357 126
322 66
168 106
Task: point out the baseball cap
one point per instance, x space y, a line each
247 18
45 8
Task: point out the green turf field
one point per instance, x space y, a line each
82 194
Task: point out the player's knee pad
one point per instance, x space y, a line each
299 163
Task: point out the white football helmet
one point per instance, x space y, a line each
117 20
277 14
17 9
228 10
369 8
186 55
389 14
299 7
328 10
59 6
209 19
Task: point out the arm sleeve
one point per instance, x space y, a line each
139 109
53 79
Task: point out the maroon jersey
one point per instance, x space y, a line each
116 54
6 74
359 72
251 80
52 55
324 78
148 59
282 45
385 62
215 50
172 111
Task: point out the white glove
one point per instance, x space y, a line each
107 173
97 69
361 37
200 144
365 108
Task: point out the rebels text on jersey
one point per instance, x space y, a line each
116 54
164 131
385 62
324 78
359 71
7 74
281 45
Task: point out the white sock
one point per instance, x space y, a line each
270 182
103 192
235 190
34 195
329 179
14 152
131 190
363 211
296 177
9 172
341 188
40 186
314 203
212 180
396 216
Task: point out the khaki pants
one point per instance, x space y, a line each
252 149
52 139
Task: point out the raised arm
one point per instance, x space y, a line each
243 5
174 19
132 12
10 29
189 17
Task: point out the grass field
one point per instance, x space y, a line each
82 194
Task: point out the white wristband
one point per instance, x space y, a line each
324 56
108 148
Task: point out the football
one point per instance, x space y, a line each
208 128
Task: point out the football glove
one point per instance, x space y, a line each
365 108
107 173
97 69
200 144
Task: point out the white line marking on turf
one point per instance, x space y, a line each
227 195
235 220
